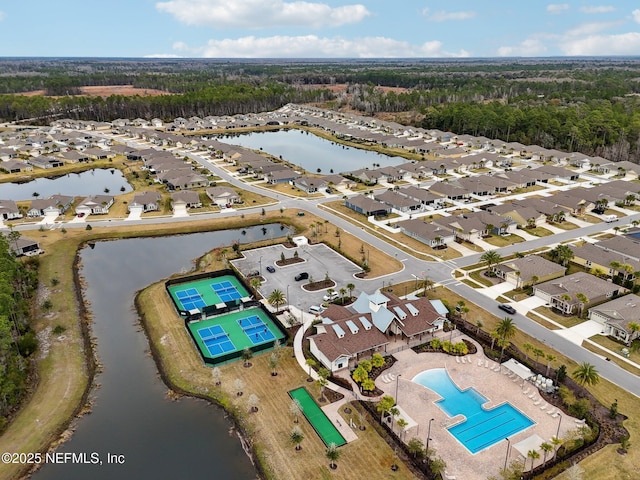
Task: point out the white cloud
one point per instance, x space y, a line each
636 15
312 46
443 16
261 13
531 47
557 8
162 55
622 44
589 28
600 9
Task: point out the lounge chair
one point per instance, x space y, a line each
551 412
486 364
525 392
392 377
544 406
480 362
457 359
532 395
537 402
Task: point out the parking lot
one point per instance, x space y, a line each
319 260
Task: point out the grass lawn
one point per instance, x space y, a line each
503 240
480 278
591 218
539 231
541 321
568 322
616 347
595 348
269 428
516 294
566 225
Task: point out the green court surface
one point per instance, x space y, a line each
317 418
238 328
207 291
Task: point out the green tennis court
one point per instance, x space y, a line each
243 328
197 294
317 418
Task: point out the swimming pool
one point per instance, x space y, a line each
482 428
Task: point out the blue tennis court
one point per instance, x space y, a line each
190 299
256 329
226 291
216 340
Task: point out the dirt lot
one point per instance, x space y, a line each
107 90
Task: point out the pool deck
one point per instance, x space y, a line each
417 401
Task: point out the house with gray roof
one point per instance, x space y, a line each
617 315
148 201
528 270
223 196
95 205
55 203
398 202
427 233
574 293
9 210
367 206
15 166
189 198
605 261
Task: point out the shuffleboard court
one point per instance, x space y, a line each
317 418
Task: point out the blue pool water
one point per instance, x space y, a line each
482 428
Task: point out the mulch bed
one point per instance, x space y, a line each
289 261
321 285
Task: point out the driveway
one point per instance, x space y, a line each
581 332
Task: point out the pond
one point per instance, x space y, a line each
311 152
84 184
132 415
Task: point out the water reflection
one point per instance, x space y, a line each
132 416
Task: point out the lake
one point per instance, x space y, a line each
132 416
84 184
311 152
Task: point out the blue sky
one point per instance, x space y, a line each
317 28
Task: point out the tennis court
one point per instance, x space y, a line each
317 418
257 330
221 336
198 294
216 340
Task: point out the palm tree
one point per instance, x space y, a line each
490 257
546 448
479 325
506 330
533 455
385 404
550 358
255 284
296 436
351 287
635 328
310 363
527 348
586 374
562 254
333 454
538 353
277 299
556 442
343 292
583 302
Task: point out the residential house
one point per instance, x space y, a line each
45 162
282 175
424 196
309 184
523 216
9 210
15 166
182 182
574 293
74 156
449 190
525 271
223 196
367 206
616 316
627 246
148 201
189 198
95 205
604 261
24 247
55 203
427 233
402 203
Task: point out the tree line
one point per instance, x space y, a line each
18 281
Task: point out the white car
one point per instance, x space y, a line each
330 296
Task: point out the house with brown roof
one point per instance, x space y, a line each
528 270
616 316
348 334
573 293
605 261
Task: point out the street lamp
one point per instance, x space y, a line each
559 422
428 436
397 382
288 307
260 266
507 457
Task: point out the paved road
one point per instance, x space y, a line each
439 272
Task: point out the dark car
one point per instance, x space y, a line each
507 308
301 276
271 269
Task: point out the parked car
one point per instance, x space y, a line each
315 309
81 214
253 273
301 276
271 269
301 214
507 308
329 297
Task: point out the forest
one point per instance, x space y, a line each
590 105
18 281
